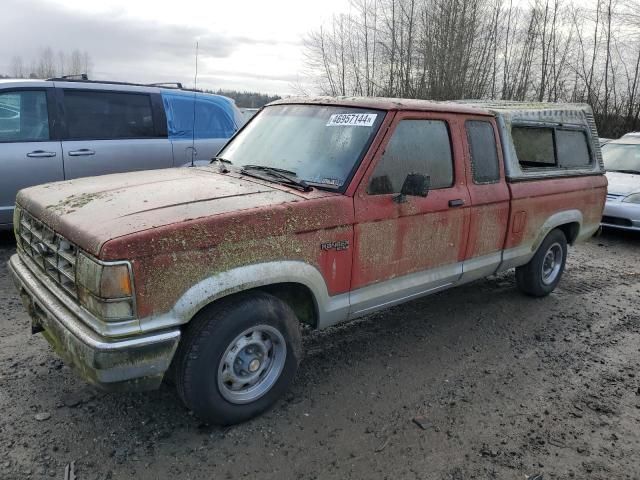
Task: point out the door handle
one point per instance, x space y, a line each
81 153
458 202
40 154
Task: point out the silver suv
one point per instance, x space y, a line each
54 130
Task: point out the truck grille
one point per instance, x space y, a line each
54 254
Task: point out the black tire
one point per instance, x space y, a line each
207 340
531 278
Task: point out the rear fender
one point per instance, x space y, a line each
557 220
522 254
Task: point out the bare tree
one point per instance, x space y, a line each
75 63
547 50
45 64
17 67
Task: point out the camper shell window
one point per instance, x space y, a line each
551 147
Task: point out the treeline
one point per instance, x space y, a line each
246 99
546 50
49 64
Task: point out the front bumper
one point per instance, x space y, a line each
131 363
623 215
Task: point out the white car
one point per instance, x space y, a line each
622 162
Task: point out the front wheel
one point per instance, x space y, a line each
542 274
238 357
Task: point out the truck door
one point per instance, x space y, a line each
403 250
113 131
489 212
30 152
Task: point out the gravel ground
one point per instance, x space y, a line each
477 382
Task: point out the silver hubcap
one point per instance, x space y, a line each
252 364
552 263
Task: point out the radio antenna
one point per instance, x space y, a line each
193 125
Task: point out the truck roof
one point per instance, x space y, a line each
474 107
382 103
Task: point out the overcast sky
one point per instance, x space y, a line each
253 45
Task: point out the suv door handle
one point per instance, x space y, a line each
81 153
458 202
41 154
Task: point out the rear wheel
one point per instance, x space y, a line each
238 357
542 274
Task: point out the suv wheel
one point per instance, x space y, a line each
237 357
542 274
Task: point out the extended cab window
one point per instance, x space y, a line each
548 147
417 146
483 151
24 116
95 115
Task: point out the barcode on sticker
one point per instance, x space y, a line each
352 119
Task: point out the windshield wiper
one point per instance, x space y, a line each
222 164
633 172
220 159
288 176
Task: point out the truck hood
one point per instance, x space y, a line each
623 183
91 211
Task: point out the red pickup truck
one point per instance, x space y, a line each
319 210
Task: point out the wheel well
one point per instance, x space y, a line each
296 295
299 298
570 231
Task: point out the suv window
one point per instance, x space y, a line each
483 151
211 121
24 116
96 115
417 146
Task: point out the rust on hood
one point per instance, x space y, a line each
92 211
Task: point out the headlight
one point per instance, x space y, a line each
105 289
633 198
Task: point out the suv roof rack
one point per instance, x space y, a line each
166 84
76 76
84 78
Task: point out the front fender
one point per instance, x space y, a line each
330 309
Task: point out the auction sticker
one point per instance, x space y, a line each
352 120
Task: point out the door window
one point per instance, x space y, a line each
24 116
483 151
107 115
417 146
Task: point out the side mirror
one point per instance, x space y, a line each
415 185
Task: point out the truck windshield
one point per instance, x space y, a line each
322 145
619 157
